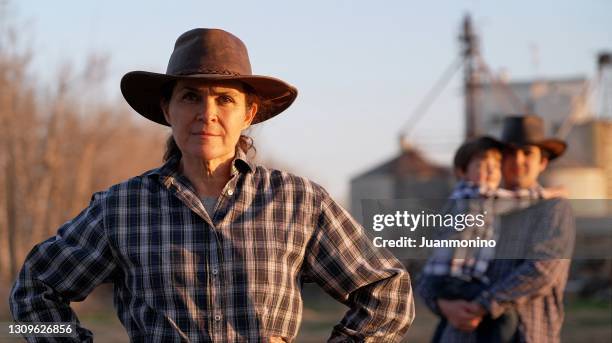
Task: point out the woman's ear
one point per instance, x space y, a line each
250 115
164 104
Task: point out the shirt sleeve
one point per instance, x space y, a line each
440 260
427 290
548 261
371 282
63 269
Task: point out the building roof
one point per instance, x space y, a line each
410 162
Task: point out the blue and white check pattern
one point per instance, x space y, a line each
182 275
467 197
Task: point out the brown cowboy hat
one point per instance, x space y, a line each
207 54
521 130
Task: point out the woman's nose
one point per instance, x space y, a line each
207 111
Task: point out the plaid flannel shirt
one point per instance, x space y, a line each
533 286
469 190
182 275
467 197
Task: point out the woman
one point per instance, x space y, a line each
211 247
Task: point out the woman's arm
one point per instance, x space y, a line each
63 269
373 283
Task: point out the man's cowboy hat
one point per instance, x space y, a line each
207 54
521 130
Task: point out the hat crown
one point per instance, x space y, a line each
526 129
210 55
209 51
521 130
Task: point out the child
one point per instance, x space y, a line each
477 165
460 273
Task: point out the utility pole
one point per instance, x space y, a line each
469 45
604 72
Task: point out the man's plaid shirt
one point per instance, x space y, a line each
533 286
182 275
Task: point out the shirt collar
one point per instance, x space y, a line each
241 163
170 170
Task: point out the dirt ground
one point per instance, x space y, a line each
586 321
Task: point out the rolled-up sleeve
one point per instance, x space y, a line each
63 269
370 281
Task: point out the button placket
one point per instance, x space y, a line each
215 290
216 274
230 186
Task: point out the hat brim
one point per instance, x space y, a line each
554 147
143 90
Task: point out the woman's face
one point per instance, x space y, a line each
207 117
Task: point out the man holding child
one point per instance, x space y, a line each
513 292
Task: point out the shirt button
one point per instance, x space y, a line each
218 317
230 192
215 271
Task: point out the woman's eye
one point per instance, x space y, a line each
191 97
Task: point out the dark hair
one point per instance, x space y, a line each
471 149
245 143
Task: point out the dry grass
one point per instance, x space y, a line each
586 321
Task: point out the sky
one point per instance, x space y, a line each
361 67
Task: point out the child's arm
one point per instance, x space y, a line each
555 192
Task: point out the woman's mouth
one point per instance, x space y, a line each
206 134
